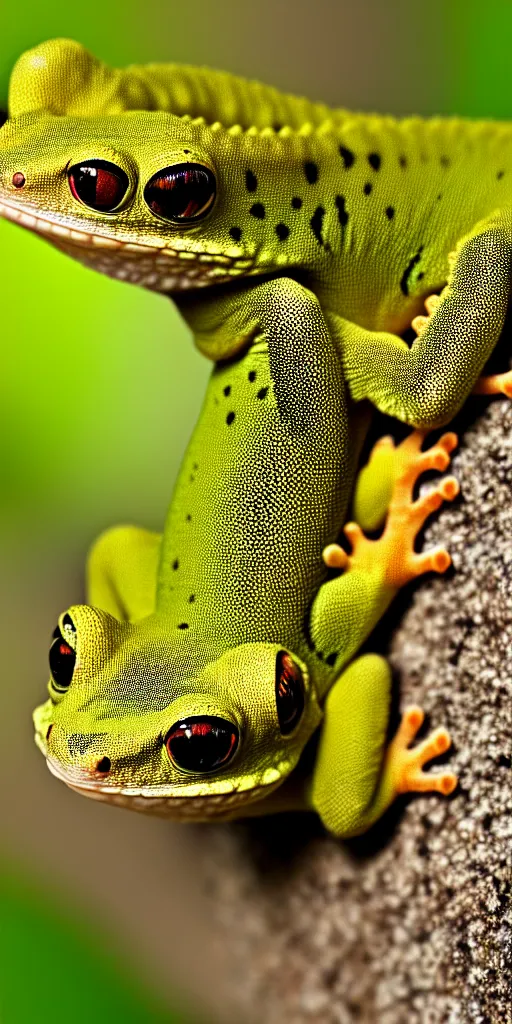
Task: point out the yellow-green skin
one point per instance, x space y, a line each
311 297
382 204
191 624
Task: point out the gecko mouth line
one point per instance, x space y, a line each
157 267
163 800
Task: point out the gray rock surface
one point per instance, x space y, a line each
413 922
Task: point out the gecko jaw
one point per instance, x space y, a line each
187 801
158 267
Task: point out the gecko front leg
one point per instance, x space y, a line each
355 778
491 384
376 569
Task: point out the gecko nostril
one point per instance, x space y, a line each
103 766
18 179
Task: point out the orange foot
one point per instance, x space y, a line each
394 550
403 767
496 383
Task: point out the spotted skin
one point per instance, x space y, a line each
364 210
196 623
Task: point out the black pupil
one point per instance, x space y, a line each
62 660
289 692
99 184
183 192
202 744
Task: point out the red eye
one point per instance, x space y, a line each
202 744
98 184
184 192
62 658
289 692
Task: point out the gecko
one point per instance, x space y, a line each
211 659
210 189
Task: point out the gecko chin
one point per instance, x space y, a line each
161 267
225 798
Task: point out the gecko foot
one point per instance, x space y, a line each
404 766
394 550
495 384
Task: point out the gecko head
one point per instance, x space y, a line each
146 196
133 721
136 196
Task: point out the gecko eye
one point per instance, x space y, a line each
289 692
202 744
62 655
98 184
182 193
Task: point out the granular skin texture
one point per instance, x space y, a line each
412 923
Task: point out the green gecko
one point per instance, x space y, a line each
209 188
208 658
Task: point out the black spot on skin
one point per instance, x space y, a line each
175 564
440 196
316 224
189 518
374 161
186 151
347 156
251 181
342 213
296 202
183 625
504 761
192 599
367 188
404 283
282 232
227 390
500 175
236 234
251 376
191 478
444 161
402 160
331 658
229 418
390 212
262 393
421 275
257 210
195 466
311 172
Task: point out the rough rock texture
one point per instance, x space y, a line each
413 922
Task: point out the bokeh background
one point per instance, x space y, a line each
100 387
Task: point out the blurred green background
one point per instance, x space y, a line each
100 387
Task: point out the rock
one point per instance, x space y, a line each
412 923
